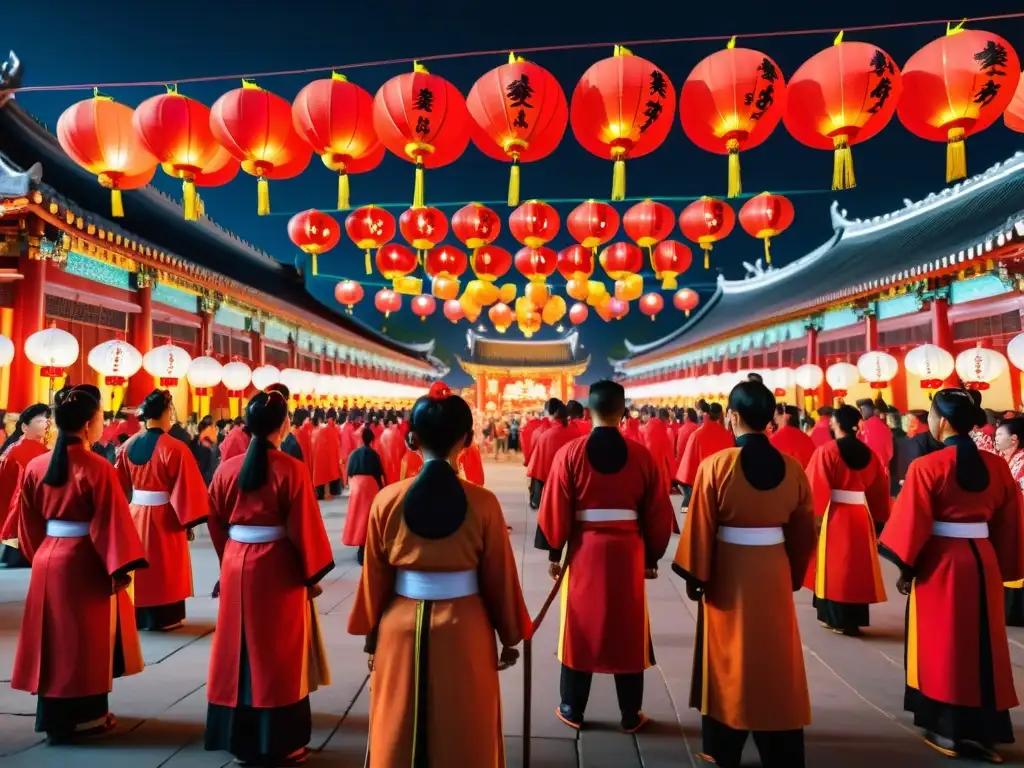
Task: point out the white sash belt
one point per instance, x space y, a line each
960 530
751 537
150 498
436 585
849 497
256 534
605 515
66 529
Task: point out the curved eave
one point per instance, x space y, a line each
575 367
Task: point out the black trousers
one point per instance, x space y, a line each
334 487
574 687
536 491
778 749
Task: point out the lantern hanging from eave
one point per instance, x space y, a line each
236 377
490 263
621 109
592 224
764 216
423 228
705 222
536 264
877 368
651 304
421 118
670 258
931 364
979 367
686 300
476 225
265 376
167 364
519 115
203 374
534 223
841 377
293 379
1014 115
335 117
453 310
370 227
578 313
842 96
348 293
732 101
387 301
116 361
97 134
423 306
500 316
396 262
294 159
54 350
955 87
314 232
808 376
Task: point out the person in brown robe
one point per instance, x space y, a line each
745 547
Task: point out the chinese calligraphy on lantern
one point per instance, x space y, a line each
764 97
992 60
424 103
882 68
653 108
519 92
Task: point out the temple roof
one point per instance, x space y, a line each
958 225
504 353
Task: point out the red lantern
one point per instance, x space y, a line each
421 118
335 117
423 228
617 308
955 87
220 169
536 264
423 306
686 300
476 225
670 259
387 301
395 261
490 262
314 232
453 310
649 222
842 96
370 227
97 134
176 131
732 101
500 316
534 223
651 304
764 216
519 114
294 159
445 261
576 263
706 221
349 293
592 223
621 260
1014 115
621 109
578 313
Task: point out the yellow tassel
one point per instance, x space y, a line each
767 251
419 189
669 283
956 155
513 183
188 195
315 270
619 180
344 200
200 206
842 164
369 268
116 204
707 257
423 318
262 197
735 187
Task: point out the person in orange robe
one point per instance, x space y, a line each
235 443
78 628
606 502
365 480
789 438
654 434
327 457
708 440
391 447
439 582
1009 442
822 432
689 425
851 501
267 653
545 448
874 432
578 418
31 429
744 550
957 534
470 464
168 497
412 462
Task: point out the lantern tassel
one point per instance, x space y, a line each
513 182
116 204
735 187
669 282
419 188
956 155
369 268
842 164
707 256
619 179
315 270
344 196
188 196
262 197
767 250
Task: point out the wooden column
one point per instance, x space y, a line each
870 330
29 316
823 394
942 331
140 336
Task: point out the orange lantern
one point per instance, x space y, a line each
553 310
651 304
490 262
842 96
536 264
536 294
670 259
534 223
423 306
348 293
423 228
97 134
706 221
387 301
421 118
500 316
445 264
592 224
732 101
1014 115
622 108
764 216
620 260
686 300
453 310
578 313
955 87
617 308
648 222
314 232
519 114
370 227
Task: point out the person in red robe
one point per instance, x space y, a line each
546 447
606 503
412 462
532 431
708 440
302 423
917 422
654 435
851 501
956 535
327 456
235 442
874 432
789 438
578 418
391 448
78 628
30 442
365 480
526 431
168 497
1009 442
821 434
350 440
471 463
689 425
630 426
267 654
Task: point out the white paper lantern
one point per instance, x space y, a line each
53 350
115 360
337 386
265 376
781 381
322 385
979 367
167 364
204 373
6 351
236 377
1014 351
809 376
307 385
931 364
877 368
841 376
292 378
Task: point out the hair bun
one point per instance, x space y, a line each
439 391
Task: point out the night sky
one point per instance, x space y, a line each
69 43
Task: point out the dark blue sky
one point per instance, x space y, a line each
186 38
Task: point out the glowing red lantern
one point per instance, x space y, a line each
1014 115
536 264
621 260
395 261
764 216
445 261
490 262
423 306
500 316
842 96
476 225
534 223
621 109
387 301
686 300
575 263
97 134
955 87
617 308
370 227
592 224
421 118
219 170
578 313
423 228
519 114
732 101
670 258
648 222
453 310
348 293
314 232
705 222
651 304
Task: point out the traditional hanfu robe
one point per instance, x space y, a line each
582 426
793 443
267 654
960 547
236 443
471 464
877 436
746 542
168 497
304 435
365 479
851 500
710 438
983 440
686 430
631 429
531 432
392 446
12 465
822 433
655 437
77 632
545 449
327 460
412 463
349 442
439 582
1015 589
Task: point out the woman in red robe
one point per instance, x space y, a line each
365 480
235 443
267 654
851 500
78 629
630 426
689 425
392 446
412 462
471 463
32 426
655 436
710 438
327 455
956 535
545 447
168 499
1009 442
349 441
789 439
302 428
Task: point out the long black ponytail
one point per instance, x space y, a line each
75 407
265 414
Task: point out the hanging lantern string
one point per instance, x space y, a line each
553 285
518 49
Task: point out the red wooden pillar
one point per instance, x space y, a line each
257 350
898 385
823 394
942 331
140 336
870 331
293 353
29 315
206 333
481 391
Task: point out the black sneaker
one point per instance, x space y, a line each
633 723
567 716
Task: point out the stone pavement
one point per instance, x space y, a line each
856 683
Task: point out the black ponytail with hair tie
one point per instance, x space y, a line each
265 414
74 409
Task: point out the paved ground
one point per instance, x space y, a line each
856 684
